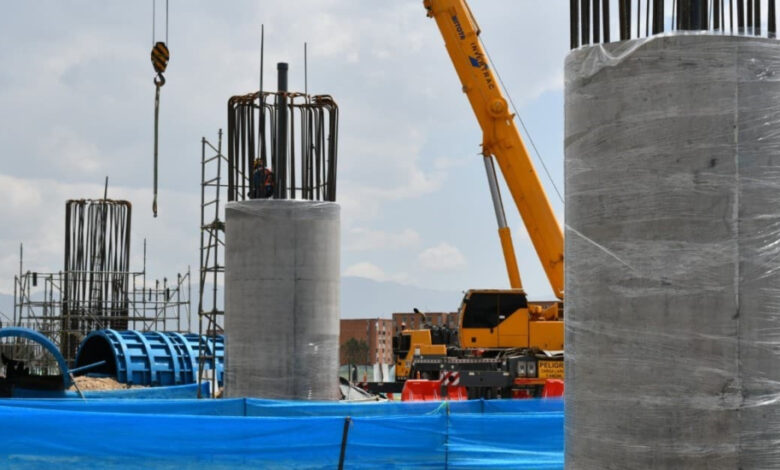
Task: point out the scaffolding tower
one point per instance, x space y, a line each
211 311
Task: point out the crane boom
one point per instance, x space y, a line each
501 139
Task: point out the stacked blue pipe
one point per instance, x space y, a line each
151 358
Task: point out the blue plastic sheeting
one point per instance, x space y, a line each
292 408
174 391
506 440
219 434
226 407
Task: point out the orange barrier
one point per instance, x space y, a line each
428 390
552 388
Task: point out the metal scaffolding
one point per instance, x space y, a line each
40 304
212 249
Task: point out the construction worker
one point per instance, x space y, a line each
262 181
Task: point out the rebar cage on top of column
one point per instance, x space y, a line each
294 135
603 21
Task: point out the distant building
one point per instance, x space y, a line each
414 321
377 333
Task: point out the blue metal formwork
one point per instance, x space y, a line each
148 358
45 342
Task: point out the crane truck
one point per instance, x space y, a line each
506 346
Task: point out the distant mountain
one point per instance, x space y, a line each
364 298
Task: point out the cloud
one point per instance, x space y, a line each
366 270
446 163
442 257
69 151
364 239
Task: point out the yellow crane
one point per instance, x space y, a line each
507 346
501 141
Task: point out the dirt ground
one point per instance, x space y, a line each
99 383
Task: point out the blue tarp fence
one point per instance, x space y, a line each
249 433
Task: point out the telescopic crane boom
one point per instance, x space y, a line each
501 140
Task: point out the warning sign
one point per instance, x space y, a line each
550 369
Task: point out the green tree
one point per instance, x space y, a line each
354 352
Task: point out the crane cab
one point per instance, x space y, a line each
499 319
411 344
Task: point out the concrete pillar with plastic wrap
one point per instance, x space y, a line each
672 146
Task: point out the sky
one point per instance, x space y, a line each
77 97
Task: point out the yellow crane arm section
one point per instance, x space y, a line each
501 137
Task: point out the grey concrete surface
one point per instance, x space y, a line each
672 254
282 299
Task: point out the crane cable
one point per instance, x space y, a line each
160 57
522 123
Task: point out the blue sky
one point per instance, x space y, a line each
77 99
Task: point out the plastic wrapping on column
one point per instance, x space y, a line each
147 358
673 254
282 299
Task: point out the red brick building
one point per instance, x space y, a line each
414 321
377 333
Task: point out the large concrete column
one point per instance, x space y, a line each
673 254
282 299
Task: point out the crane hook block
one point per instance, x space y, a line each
160 56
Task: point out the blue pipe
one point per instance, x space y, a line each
155 358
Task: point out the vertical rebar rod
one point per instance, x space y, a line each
716 15
585 13
574 24
280 159
638 18
740 16
624 18
658 16
757 20
647 17
749 18
260 120
695 14
731 16
306 70
772 20
596 24
605 18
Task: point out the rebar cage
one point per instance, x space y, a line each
293 134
